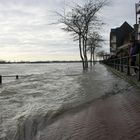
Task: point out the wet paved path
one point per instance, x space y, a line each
111 118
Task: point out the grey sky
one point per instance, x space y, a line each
25 33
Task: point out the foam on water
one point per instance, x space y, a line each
29 104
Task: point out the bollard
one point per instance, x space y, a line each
17 77
0 79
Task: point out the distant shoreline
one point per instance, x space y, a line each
38 62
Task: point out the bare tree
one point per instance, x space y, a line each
101 54
80 20
94 41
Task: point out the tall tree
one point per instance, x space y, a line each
94 41
80 20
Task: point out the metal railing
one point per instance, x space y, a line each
123 64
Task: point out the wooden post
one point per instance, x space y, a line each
17 77
112 64
118 64
128 66
115 64
0 79
121 64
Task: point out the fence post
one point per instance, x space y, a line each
118 63
17 77
115 63
128 66
111 63
0 79
121 64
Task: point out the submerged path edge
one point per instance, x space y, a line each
125 77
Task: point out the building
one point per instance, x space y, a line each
137 25
120 36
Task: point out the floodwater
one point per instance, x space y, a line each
44 91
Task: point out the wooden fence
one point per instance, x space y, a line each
123 64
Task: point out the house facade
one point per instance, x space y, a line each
120 37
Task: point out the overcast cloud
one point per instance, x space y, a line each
26 33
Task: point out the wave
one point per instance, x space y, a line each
29 128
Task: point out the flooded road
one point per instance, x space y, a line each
32 107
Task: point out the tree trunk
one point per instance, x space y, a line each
93 55
85 52
80 49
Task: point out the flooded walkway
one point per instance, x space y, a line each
115 117
65 103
